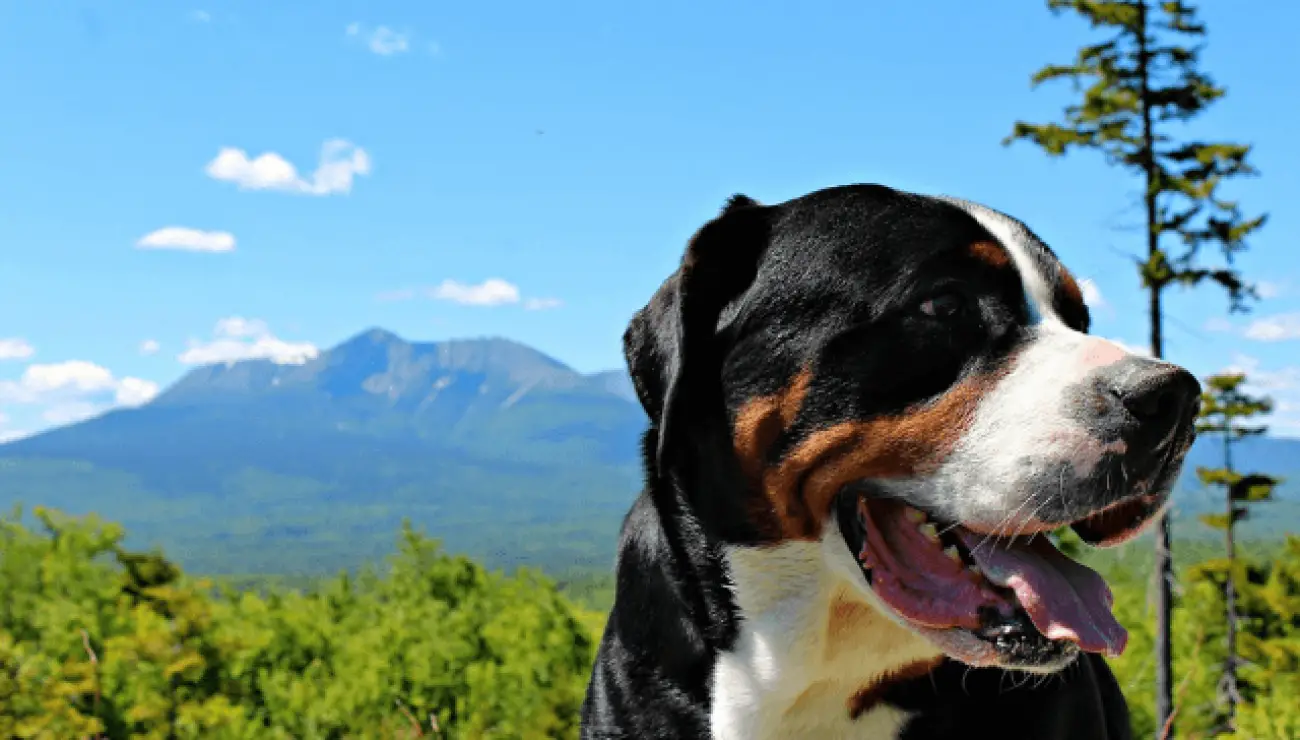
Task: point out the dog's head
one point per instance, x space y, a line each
909 380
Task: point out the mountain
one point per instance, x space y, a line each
498 449
617 382
504 453
1278 456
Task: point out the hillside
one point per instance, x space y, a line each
499 450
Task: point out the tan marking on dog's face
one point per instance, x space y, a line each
757 427
797 492
1070 288
760 423
992 254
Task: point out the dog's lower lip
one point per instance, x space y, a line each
1117 522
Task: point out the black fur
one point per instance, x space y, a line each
1084 701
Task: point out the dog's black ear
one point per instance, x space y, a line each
670 344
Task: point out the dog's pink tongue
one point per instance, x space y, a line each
1065 599
911 572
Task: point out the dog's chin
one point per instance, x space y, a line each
1014 602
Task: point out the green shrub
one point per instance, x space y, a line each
97 640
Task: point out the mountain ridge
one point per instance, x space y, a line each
503 451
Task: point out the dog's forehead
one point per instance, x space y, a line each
881 236
852 222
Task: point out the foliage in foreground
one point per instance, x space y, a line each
98 641
1268 644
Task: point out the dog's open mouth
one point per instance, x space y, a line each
1018 595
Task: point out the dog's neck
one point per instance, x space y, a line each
813 653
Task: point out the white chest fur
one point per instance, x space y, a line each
811 639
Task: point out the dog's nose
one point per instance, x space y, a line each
1162 398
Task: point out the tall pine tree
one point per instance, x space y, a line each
1138 85
1224 406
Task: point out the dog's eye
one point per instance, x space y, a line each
943 306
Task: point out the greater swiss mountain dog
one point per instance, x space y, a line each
868 411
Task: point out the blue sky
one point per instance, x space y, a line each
196 182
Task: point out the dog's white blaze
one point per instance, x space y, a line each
1024 255
787 676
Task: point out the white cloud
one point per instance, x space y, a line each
1285 379
1266 289
202 16
1275 328
236 339
9 435
1285 419
381 40
1091 294
490 292
150 347
385 41
71 377
240 327
187 240
74 390
1242 364
1282 385
135 392
15 348
542 304
1286 426
71 412
340 163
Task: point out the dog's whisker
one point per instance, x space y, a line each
949 528
1025 522
992 535
1006 520
1035 513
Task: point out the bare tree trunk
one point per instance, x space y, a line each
1164 560
1230 590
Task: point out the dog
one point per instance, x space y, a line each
869 411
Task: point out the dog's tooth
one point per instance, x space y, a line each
929 531
915 516
951 552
